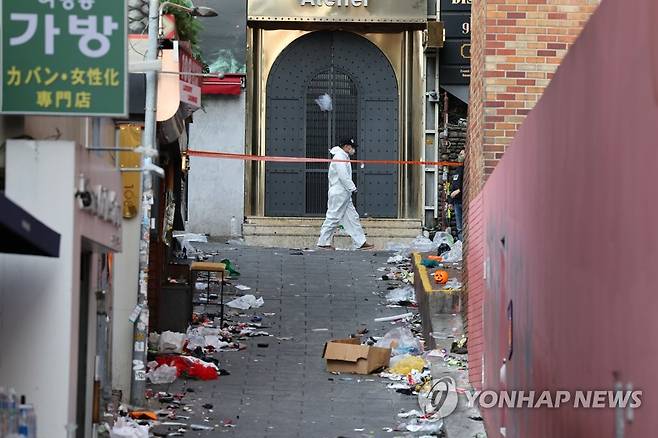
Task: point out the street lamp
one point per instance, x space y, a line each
195 11
149 145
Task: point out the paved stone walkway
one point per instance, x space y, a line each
284 390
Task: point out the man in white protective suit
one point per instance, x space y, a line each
340 208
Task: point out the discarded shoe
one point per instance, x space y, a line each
367 246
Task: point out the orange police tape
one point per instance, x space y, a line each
275 159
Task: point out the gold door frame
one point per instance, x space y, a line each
404 51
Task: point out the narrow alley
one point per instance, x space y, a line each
328 218
278 385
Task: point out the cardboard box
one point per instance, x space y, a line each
349 356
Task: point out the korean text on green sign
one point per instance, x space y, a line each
64 57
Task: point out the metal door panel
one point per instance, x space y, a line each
363 85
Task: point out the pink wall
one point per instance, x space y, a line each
575 200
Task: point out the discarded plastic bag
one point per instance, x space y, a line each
396 259
454 255
428 426
325 103
246 302
213 341
401 295
232 273
154 341
420 244
401 341
127 428
190 367
406 363
162 374
185 240
195 341
171 342
443 237
452 284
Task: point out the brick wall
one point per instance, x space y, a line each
516 47
475 295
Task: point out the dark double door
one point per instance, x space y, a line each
362 85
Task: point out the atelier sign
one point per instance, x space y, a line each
339 3
413 12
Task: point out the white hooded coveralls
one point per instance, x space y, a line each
340 209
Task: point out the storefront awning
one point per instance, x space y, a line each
228 85
22 233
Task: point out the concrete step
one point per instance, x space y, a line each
259 230
317 222
304 232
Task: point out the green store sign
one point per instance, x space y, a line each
64 57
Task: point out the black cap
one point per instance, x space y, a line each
350 141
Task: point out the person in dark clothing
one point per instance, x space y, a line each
457 187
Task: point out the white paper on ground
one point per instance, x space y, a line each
246 302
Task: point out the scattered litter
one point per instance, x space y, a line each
428 263
162 375
454 255
242 287
170 342
401 341
232 273
320 330
144 415
349 356
390 376
405 391
394 318
190 367
405 364
397 386
396 259
185 240
426 425
127 428
201 427
246 302
443 238
228 423
412 413
452 284
402 295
